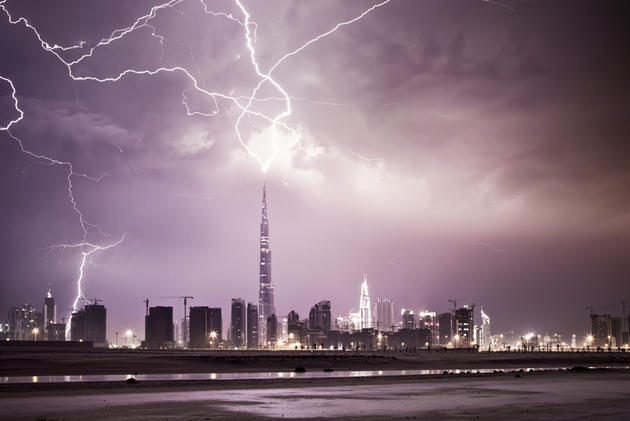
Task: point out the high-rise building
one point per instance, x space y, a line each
252 326
205 327
601 329
266 292
272 330
50 310
89 324
428 320
158 328
319 317
56 332
445 323
294 327
24 321
408 319
615 331
384 314
365 312
486 337
285 329
237 323
464 322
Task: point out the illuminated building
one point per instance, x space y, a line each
22 320
428 319
285 329
445 328
203 321
294 327
384 314
530 341
50 310
158 328
485 335
237 323
408 319
365 312
464 322
266 292
319 317
252 326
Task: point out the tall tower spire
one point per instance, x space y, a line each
265 295
365 312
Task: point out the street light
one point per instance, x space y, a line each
213 336
35 332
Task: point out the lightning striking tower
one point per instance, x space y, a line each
73 56
265 294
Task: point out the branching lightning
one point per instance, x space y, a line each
72 55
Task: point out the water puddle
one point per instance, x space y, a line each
253 376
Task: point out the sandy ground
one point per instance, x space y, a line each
566 395
78 362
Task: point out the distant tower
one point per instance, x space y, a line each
238 323
486 340
252 326
265 295
50 310
384 314
365 313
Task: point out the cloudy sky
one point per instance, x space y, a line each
451 149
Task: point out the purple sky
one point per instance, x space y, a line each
449 149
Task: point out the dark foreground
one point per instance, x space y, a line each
40 362
558 395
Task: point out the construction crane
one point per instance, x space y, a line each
184 328
592 307
454 302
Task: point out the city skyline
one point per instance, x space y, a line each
444 159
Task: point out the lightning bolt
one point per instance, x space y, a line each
86 247
82 51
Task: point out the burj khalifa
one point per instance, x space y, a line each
265 295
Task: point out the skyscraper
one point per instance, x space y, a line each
365 313
319 316
237 323
272 329
428 319
486 337
90 324
252 326
199 327
464 323
445 323
205 327
50 310
408 319
601 329
265 294
384 314
158 328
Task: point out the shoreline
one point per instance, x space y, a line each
157 386
51 363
